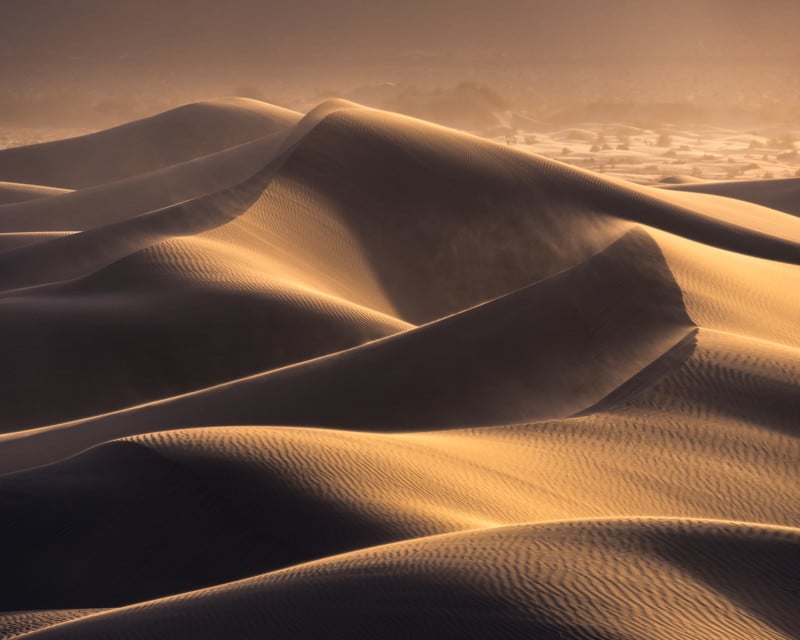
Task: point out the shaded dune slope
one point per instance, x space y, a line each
133 344
357 375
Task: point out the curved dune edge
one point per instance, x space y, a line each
109 202
413 382
655 578
17 623
782 194
12 192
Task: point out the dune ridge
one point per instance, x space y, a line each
517 574
11 192
354 374
782 194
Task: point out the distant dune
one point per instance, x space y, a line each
352 374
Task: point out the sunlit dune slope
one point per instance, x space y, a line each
350 374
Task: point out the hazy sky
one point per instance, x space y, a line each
349 28
62 58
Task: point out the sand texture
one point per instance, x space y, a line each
350 374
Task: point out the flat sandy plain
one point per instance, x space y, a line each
351 374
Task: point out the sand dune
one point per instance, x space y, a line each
353 374
176 136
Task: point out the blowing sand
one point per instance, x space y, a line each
351 374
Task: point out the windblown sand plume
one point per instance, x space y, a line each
351 374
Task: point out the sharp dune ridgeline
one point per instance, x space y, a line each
352 374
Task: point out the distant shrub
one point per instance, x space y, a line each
786 141
664 140
575 135
484 93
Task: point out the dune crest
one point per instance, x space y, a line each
417 383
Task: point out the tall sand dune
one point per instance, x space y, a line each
351 374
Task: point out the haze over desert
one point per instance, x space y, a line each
484 337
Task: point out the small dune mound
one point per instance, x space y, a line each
144 145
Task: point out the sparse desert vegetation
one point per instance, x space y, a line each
639 154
